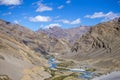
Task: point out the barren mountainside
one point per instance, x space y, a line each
22 52
17 60
100 45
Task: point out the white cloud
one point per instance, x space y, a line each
40 19
53 25
8 13
65 21
43 8
10 2
111 15
60 7
68 1
16 22
76 21
107 16
96 15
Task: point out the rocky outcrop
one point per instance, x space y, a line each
101 44
4 77
103 35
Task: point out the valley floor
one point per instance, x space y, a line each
111 76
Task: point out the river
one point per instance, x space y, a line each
87 75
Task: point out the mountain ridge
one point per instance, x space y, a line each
70 34
23 52
99 46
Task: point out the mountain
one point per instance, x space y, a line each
68 34
22 52
100 46
18 60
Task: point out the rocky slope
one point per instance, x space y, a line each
100 46
68 34
17 60
22 52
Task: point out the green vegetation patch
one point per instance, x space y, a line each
73 75
91 69
59 78
51 71
66 64
62 69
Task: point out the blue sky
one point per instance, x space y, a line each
35 14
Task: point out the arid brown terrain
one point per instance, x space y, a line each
100 46
23 53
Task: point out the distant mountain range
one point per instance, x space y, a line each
70 34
